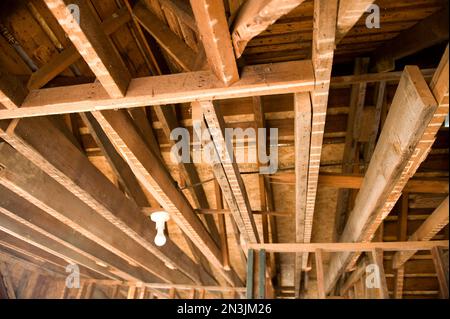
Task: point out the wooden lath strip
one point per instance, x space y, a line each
255 16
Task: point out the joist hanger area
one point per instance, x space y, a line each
102 98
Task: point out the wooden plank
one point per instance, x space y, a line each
324 32
303 111
355 247
428 32
62 60
250 273
380 101
213 30
262 274
373 204
402 236
30 137
441 272
182 10
180 52
429 228
93 45
29 182
350 11
222 228
279 78
320 274
232 184
255 16
377 259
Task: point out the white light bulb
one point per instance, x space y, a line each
160 219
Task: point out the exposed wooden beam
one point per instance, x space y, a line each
70 55
350 11
441 271
232 184
402 236
377 259
320 274
323 44
411 110
28 181
12 90
222 227
354 181
213 30
430 31
182 10
167 39
255 16
279 78
354 247
93 45
303 115
30 137
429 228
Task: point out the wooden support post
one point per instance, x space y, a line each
320 274
222 227
250 274
262 274
377 259
402 236
213 29
442 273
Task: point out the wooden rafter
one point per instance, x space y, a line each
350 11
429 228
401 133
324 32
215 36
255 16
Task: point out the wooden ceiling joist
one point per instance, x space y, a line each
166 38
150 171
391 165
324 32
27 180
350 11
214 33
277 78
30 137
429 228
255 16
93 45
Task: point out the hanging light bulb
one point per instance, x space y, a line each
160 218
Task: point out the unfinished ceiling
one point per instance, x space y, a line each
86 113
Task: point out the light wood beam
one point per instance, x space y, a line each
93 45
320 274
429 228
303 116
430 31
213 30
62 60
167 39
411 110
377 259
64 162
255 16
279 78
350 11
323 45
